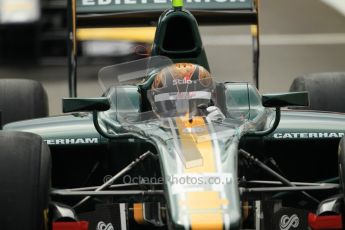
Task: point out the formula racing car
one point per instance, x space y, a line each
167 146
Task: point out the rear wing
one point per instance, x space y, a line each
146 12
116 13
113 6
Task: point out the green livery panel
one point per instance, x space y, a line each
61 130
293 125
305 125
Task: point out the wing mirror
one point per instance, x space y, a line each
285 99
279 100
85 104
94 105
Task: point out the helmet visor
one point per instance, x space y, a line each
182 98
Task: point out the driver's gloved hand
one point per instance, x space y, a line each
214 113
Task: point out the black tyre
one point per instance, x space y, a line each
22 99
341 165
24 181
341 161
326 90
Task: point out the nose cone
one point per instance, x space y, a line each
200 166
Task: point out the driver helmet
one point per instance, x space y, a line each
181 89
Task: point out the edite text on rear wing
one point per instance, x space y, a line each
93 6
115 13
146 12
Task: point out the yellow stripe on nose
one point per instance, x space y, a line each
189 131
206 221
204 207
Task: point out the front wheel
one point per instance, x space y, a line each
24 181
341 164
